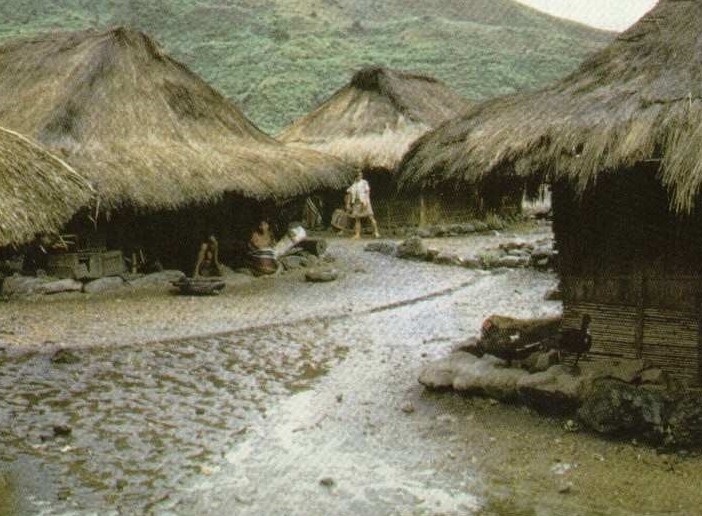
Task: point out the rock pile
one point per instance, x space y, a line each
623 398
516 254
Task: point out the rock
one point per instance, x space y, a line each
17 285
545 360
467 229
103 285
157 278
512 262
293 262
447 259
513 245
653 376
65 356
322 276
519 252
413 248
327 482
626 370
423 233
555 390
466 372
387 247
472 262
617 408
64 285
684 425
565 487
407 408
339 398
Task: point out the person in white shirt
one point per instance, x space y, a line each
359 205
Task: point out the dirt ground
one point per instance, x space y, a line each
306 402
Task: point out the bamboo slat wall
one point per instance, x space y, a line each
669 339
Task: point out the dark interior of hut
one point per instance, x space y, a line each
621 233
171 239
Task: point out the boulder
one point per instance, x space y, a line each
17 285
522 253
555 390
472 262
465 372
322 276
387 247
103 285
512 262
413 248
617 408
625 370
64 285
293 262
684 425
654 376
447 259
157 278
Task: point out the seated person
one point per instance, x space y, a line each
207 264
261 253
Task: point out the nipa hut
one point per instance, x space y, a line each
150 135
39 193
370 123
620 141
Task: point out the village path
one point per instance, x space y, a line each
278 384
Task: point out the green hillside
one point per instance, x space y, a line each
278 58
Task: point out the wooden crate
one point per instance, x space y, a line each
86 265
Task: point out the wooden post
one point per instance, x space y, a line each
422 211
640 280
699 336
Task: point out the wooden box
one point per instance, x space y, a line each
85 265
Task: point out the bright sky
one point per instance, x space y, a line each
604 14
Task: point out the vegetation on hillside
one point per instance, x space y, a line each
277 59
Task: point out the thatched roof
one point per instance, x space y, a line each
372 121
638 99
39 193
142 127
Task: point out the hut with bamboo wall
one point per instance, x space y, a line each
620 141
39 193
170 157
370 123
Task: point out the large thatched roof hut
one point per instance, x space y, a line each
146 131
39 193
371 122
620 140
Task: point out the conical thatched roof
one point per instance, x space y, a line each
39 193
638 99
372 121
143 128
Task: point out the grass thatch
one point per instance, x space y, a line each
142 127
39 193
372 121
638 99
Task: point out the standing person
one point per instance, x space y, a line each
208 259
359 204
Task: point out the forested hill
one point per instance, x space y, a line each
278 58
